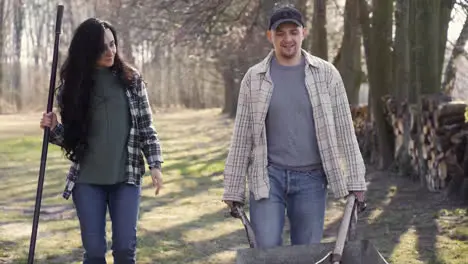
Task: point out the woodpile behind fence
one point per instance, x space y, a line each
431 142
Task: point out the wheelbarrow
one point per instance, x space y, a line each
346 249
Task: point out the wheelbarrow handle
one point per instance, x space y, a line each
350 212
238 212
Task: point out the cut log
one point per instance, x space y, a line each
442 170
439 151
399 141
450 109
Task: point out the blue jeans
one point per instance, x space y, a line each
302 195
91 202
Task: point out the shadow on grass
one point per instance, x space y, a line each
6 245
28 196
396 205
199 186
154 246
186 166
172 240
183 147
17 251
73 256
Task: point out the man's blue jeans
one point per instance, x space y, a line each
302 195
91 202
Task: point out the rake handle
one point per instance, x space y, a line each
45 140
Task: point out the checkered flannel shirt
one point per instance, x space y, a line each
142 138
247 158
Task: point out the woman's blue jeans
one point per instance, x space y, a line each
91 202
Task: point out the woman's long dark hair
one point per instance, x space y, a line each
76 83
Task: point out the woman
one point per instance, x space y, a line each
106 126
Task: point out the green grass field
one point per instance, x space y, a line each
186 222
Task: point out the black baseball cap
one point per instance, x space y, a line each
285 14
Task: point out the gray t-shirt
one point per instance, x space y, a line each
291 137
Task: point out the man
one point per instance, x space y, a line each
293 137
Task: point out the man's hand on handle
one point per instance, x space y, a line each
360 195
232 207
361 199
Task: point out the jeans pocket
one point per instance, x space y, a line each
318 177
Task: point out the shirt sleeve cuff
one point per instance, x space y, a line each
155 165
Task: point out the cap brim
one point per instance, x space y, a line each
286 20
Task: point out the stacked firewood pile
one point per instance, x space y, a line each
433 139
363 127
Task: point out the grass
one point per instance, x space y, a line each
187 223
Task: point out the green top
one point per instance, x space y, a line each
109 129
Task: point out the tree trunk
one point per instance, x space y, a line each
2 43
126 45
170 80
230 95
428 38
118 13
414 52
446 7
429 27
381 37
421 71
234 67
319 31
71 15
185 88
364 20
19 25
349 62
198 83
156 63
401 84
164 90
458 49
301 5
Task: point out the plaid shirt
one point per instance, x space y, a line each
338 147
142 138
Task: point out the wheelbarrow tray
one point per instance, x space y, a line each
354 252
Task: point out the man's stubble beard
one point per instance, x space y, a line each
287 55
